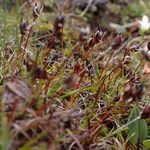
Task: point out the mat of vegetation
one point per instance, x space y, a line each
74 75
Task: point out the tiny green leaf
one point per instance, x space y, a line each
146 143
143 130
133 128
138 129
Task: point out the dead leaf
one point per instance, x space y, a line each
19 87
23 125
16 90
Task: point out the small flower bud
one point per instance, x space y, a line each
117 98
117 41
127 59
146 112
58 24
23 27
